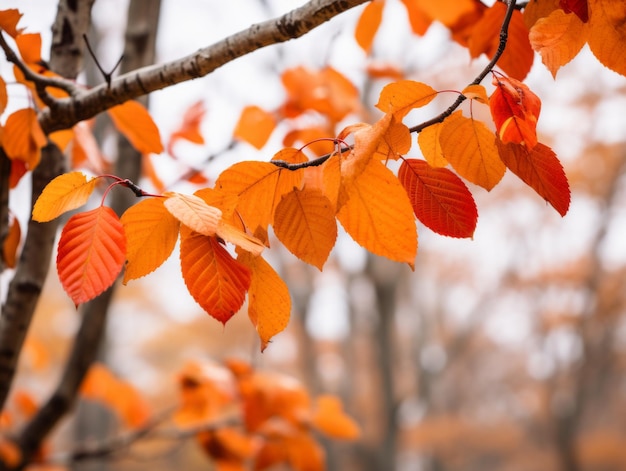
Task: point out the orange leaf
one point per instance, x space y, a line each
4 97
558 38
11 242
311 136
91 253
151 234
517 58
23 137
330 418
418 19
476 93
102 386
401 97
428 140
447 12
85 148
439 198
190 127
378 214
269 303
9 20
384 70
471 149
607 33
229 448
10 452
230 233
255 126
136 124
214 279
18 170
64 193
305 223
193 212
368 24
259 187
540 169
29 46
515 110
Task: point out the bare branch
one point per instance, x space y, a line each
148 79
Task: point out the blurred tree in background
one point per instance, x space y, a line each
501 350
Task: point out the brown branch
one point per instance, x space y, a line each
294 24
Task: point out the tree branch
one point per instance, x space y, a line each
294 24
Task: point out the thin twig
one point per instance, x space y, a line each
107 75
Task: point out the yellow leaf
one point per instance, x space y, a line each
193 212
607 33
64 193
476 93
259 187
558 38
378 214
471 149
428 140
255 126
269 304
134 122
401 97
305 223
151 234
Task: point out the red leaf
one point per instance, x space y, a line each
91 253
578 7
439 198
214 279
540 169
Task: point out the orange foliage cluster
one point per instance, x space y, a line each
278 417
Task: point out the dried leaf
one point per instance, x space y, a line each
305 223
540 169
269 303
151 234
470 148
193 212
136 124
439 198
91 253
64 193
214 279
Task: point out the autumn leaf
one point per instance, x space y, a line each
470 148
189 128
255 126
259 187
64 193
23 137
101 385
419 20
607 33
401 97
29 46
368 24
11 242
85 150
269 303
314 137
214 279
4 97
378 214
428 140
558 38
151 234
476 93
9 20
515 110
91 253
135 123
439 198
229 448
517 58
447 12
305 223
330 418
540 169
193 212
